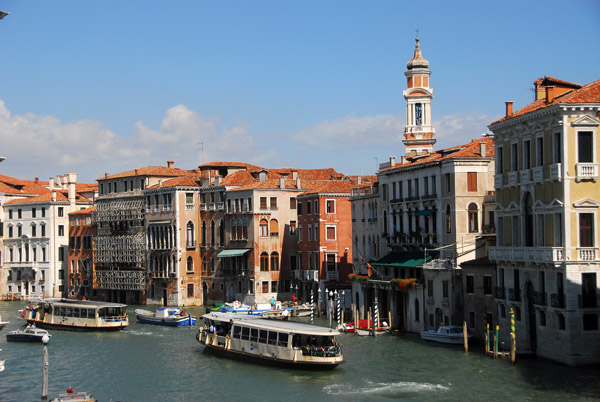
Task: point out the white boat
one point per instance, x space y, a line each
445 334
276 342
169 316
3 323
29 334
77 315
72 396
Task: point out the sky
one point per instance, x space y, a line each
97 87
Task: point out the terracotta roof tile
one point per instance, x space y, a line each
182 181
151 171
333 187
240 178
84 211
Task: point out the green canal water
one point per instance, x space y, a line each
154 363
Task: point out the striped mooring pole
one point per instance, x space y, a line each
312 305
339 317
375 316
513 337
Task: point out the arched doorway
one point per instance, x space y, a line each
531 317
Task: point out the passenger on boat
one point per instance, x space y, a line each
285 314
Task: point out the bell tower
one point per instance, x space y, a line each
419 132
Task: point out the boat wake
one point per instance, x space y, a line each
396 389
144 333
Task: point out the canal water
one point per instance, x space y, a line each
154 363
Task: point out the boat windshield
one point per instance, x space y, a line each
111 311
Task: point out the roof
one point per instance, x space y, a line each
239 178
573 94
83 211
181 181
257 321
333 187
470 150
47 197
150 171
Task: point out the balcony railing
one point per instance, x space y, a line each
525 176
587 254
525 254
557 300
498 180
586 171
333 275
555 172
514 294
513 178
189 207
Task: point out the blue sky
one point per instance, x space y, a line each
108 86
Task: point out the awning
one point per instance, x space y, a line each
403 259
236 252
425 212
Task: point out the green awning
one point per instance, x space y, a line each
403 259
236 252
425 212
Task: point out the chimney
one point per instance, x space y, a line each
59 181
482 146
550 94
282 182
159 183
298 183
218 180
509 109
170 164
359 180
262 175
53 196
71 180
294 174
106 175
51 183
392 161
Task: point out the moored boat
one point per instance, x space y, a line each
3 323
276 342
29 334
78 315
72 396
169 316
452 334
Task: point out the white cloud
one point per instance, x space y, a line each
460 128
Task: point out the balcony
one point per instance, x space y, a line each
333 275
203 207
556 172
498 180
587 254
311 275
190 245
538 174
189 207
557 300
586 171
220 206
527 254
525 176
500 292
539 298
514 294
513 178
445 301
430 300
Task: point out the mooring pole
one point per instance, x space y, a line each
45 369
513 338
496 342
465 337
312 305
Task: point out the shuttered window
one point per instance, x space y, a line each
471 181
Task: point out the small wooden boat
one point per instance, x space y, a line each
452 334
170 316
29 334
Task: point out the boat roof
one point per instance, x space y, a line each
80 303
280 325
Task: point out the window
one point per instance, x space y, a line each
263 202
264 262
539 152
514 161
473 218
330 206
557 150
61 254
189 235
330 261
61 230
20 230
274 226
447 180
190 290
10 231
274 286
330 233
470 284
316 231
585 150
263 228
448 220
429 287
274 261
189 199
33 212
190 264
586 230
471 181
292 203
316 206
526 154
487 285
418 114
558 230
265 286
417 312
309 233
43 212
308 207
273 202
299 209
61 211
20 213
444 288
292 228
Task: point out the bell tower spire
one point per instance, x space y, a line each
419 132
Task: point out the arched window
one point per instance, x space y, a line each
190 264
244 229
233 234
212 233
448 220
263 228
274 261
221 232
473 218
274 226
264 261
204 233
189 235
204 264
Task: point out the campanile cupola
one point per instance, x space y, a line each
419 132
